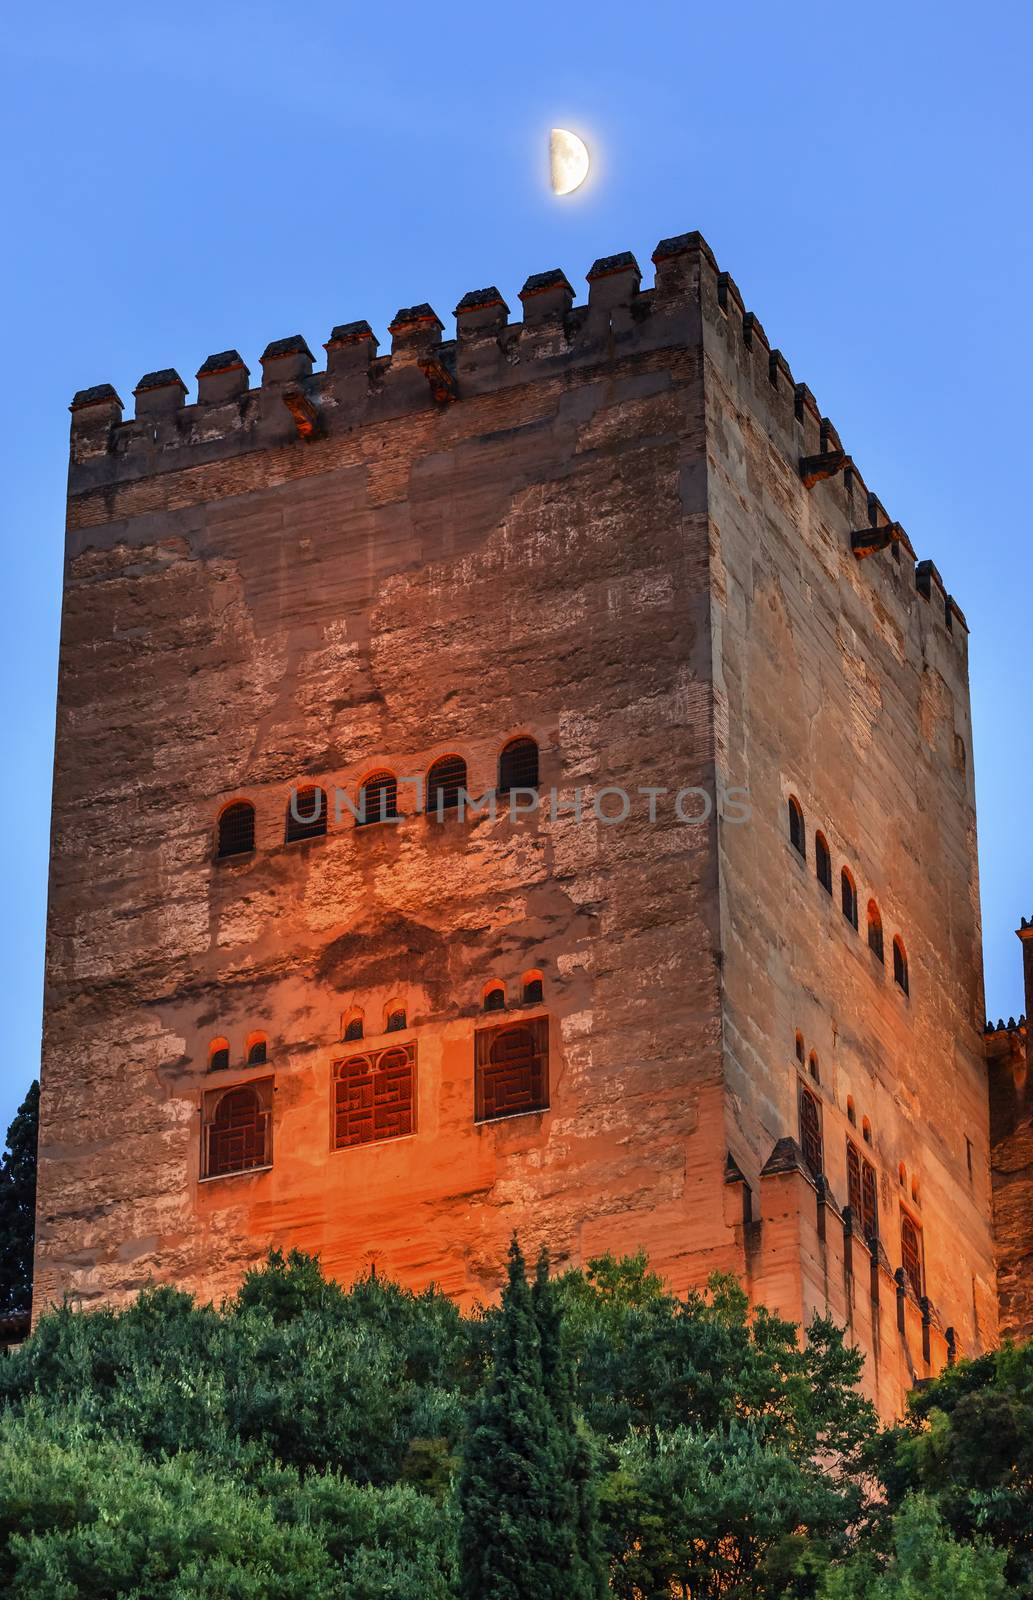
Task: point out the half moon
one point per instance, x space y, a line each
568 161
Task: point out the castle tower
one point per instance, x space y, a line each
707 984
1008 1049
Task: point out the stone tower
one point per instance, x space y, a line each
1009 1049
707 984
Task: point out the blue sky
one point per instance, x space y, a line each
184 179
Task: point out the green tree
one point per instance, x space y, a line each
522 1520
18 1207
966 1442
926 1563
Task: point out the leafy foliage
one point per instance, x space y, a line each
18 1207
592 1434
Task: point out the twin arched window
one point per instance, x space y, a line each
306 814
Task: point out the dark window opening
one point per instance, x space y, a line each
862 1191
823 862
813 1068
810 1134
900 975
396 1022
237 1132
849 897
306 815
495 1000
256 1056
800 1048
444 781
219 1058
374 1097
797 833
534 992
875 943
511 1069
378 799
353 1030
911 1254
518 765
237 830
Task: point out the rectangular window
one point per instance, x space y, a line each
237 1129
511 1069
862 1191
374 1096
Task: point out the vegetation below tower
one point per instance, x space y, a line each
592 1435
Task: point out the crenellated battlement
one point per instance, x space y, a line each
297 405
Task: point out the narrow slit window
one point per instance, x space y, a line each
875 943
810 1134
900 972
823 862
849 897
797 832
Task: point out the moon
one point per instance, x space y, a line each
568 161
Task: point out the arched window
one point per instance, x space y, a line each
800 1053
518 765
911 1254
494 997
851 1113
352 1024
378 798
875 931
511 1069
866 1131
395 1021
236 830
797 832
848 889
900 964
532 988
444 781
256 1050
823 862
218 1055
375 1097
810 1134
916 1190
237 1131
812 1066
306 814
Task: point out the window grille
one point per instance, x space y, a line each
395 1022
374 1097
378 798
237 830
911 1254
511 1069
444 781
810 1134
863 1193
518 765
237 1131
306 815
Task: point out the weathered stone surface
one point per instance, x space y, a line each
603 541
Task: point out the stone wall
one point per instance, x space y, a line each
591 527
